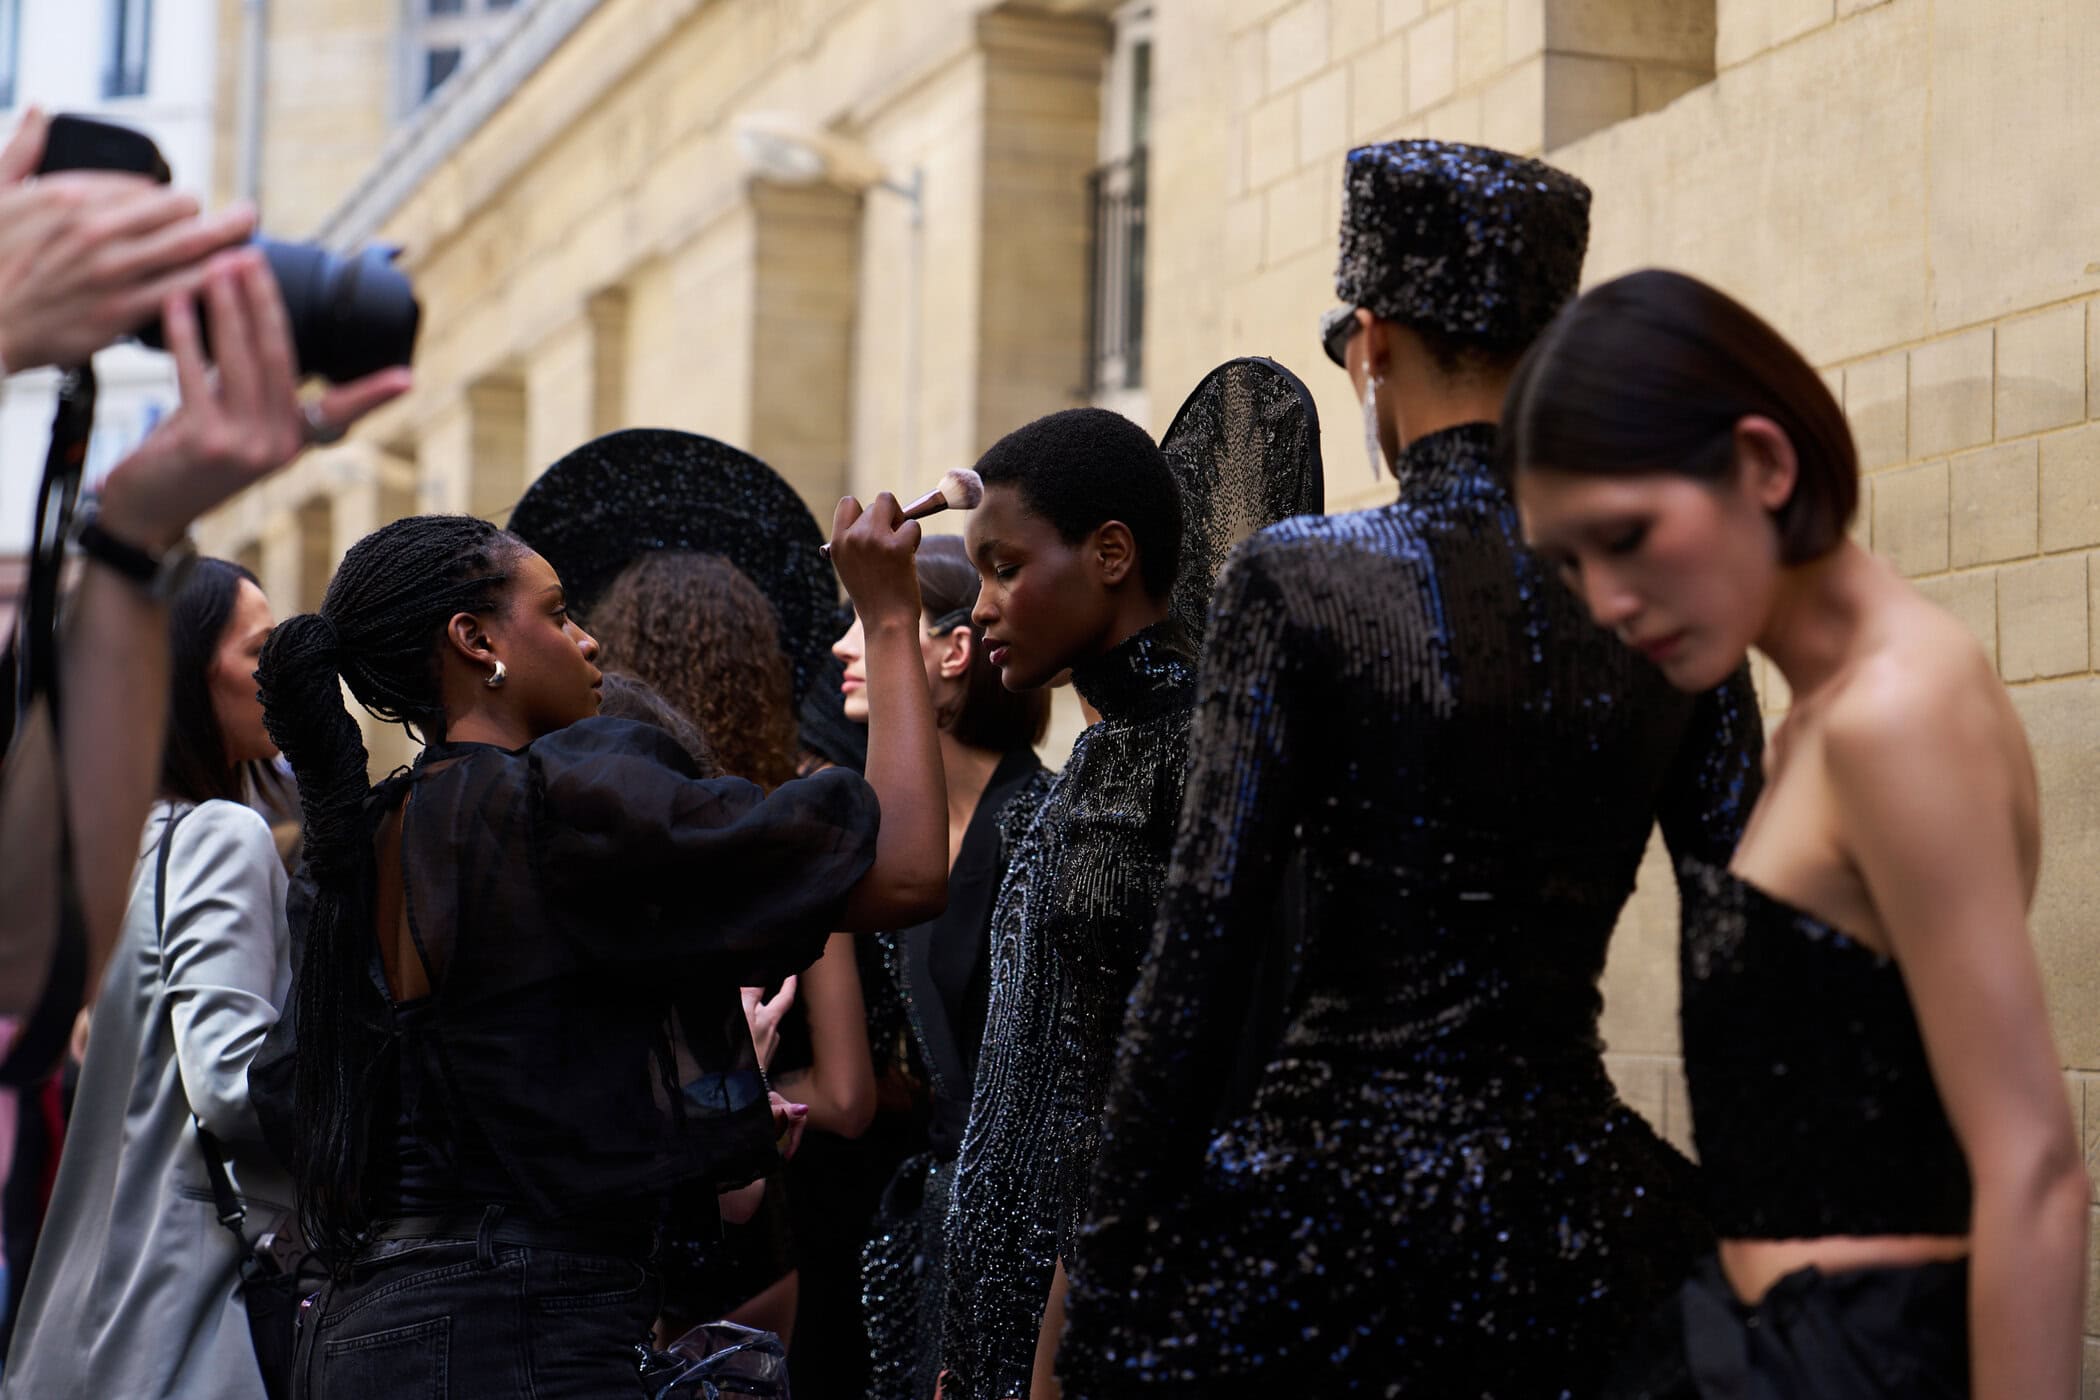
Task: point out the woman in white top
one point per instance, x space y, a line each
133 1291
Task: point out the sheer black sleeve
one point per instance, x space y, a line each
684 865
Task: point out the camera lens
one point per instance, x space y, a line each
349 316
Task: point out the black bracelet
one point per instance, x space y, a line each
125 557
159 575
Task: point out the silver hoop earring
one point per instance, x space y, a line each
1372 448
497 676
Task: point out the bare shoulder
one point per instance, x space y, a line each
1924 692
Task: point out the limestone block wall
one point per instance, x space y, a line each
327 103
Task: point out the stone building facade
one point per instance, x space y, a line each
1899 185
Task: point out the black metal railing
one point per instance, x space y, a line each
1116 319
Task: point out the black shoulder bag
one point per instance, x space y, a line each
276 1270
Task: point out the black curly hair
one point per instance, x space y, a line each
1083 467
378 631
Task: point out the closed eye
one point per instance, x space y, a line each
1628 540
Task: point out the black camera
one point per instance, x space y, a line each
350 316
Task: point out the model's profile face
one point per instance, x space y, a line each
852 649
1039 607
551 680
935 653
1682 570
234 698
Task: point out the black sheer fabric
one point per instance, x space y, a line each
1245 451
1813 1105
586 908
1435 1180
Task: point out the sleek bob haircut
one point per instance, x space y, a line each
990 716
1651 372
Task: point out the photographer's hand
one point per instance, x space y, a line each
234 428
87 257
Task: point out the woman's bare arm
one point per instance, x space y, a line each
1929 789
839 1085
873 551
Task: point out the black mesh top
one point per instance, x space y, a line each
1813 1107
586 908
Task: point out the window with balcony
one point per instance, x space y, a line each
1117 187
130 40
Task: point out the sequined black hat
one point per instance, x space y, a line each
1475 243
644 489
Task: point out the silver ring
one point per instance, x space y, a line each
318 429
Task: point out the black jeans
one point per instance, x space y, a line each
453 1315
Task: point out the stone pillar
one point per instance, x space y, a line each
472 452
575 381
805 266
280 548
1042 100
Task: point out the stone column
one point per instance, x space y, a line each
1042 99
575 381
281 549
472 452
805 273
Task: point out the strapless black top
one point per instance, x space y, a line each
1813 1106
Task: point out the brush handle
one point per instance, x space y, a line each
932 503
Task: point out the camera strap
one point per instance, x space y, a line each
42 1039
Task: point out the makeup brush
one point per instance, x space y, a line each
960 489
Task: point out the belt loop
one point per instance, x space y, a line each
485 1237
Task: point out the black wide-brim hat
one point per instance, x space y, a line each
639 490
1478 244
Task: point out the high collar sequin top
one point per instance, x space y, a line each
1435 1190
1072 917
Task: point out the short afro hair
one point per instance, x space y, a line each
1084 467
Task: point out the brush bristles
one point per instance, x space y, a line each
962 489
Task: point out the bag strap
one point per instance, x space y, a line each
31 676
231 1211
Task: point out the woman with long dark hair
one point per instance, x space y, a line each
485 1112
134 1287
1888 1157
943 966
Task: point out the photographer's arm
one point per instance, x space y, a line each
228 433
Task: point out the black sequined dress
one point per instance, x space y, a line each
1436 1191
1072 917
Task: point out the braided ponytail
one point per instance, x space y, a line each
378 632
